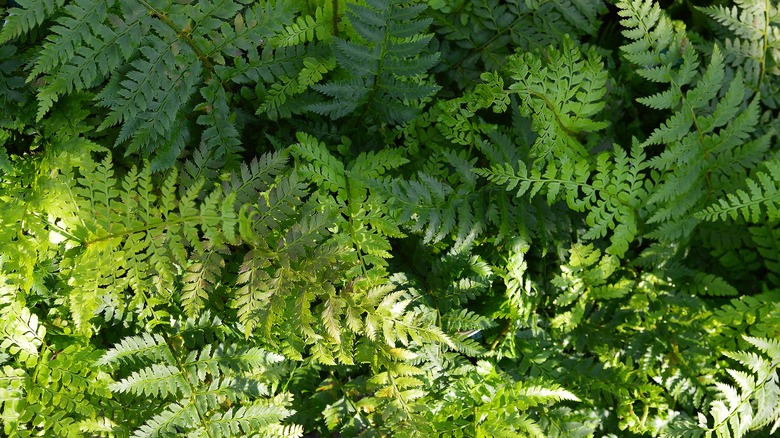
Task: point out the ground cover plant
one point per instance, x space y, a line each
224 218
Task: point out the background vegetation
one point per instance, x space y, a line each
377 218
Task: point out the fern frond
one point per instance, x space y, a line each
157 55
564 92
32 13
286 431
145 347
167 422
252 278
613 195
23 336
754 26
70 33
701 125
325 169
302 30
151 95
220 136
735 414
201 279
766 241
200 385
88 64
146 232
259 417
427 204
651 31
157 381
255 178
760 202
582 15
382 74
679 124
533 395
228 359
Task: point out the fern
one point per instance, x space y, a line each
366 230
658 50
757 204
133 230
735 414
305 29
754 26
49 385
385 73
765 239
10 81
164 61
747 314
430 205
195 383
612 199
563 92
30 15
388 218
481 39
485 389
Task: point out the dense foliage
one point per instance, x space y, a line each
367 218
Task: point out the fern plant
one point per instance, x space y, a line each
207 385
753 47
747 405
757 204
705 145
146 235
388 218
386 71
167 52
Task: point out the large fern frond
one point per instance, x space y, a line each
146 233
210 389
384 76
702 123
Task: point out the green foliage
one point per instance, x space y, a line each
144 232
762 196
612 199
207 385
707 141
562 91
752 402
389 218
752 46
386 71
